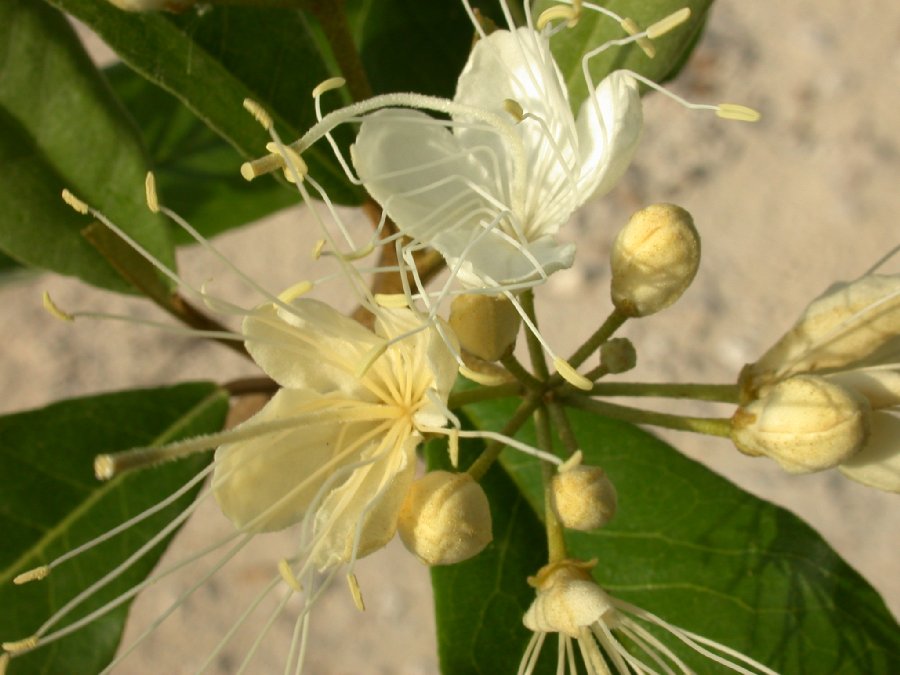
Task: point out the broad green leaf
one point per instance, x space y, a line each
212 59
479 603
701 553
61 127
50 503
197 171
594 29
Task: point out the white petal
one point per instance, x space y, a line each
313 347
252 476
880 387
878 464
369 500
609 128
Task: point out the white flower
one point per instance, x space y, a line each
850 336
572 605
508 188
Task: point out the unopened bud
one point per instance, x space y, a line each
486 325
804 423
584 498
654 259
445 518
618 355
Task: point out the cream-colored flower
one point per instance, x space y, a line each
571 604
850 337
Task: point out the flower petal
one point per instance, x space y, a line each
878 464
312 347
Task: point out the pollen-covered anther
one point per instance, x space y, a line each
568 13
618 356
654 259
284 569
17 646
35 574
75 202
355 592
445 518
54 309
259 113
328 85
104 467
150 192
293 162
392 300
583 497
805 423
666 24
631 27
317 248
734 111
572 376
486 325
514 108
299 289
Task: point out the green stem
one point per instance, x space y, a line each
712 426
556 544
613 322
517 370
333 19
460 398
481 465
563 427
723 393
535 350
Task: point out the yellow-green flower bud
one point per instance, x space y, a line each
804 423
486 325
445 518
654 259
618 355
584 498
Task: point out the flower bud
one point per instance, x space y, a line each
583 497
445 518
486 325
618 356
654 259
568 599
804 423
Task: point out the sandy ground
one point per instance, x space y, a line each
785 207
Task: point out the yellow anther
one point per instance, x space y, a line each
4 662
261 166
571 463
75 203
674 20
392 300
570 375
295 291
104 467
355 592
631 27
284 568
54 309
36 574
357 254
514 108
150 192
292 161
453 447
328 85
567 13
258 113
21 645
487 379
373 355
733 111
316 252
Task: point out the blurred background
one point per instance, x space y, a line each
786 206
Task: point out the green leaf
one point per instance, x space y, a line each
197 171
594 29
701 553
50 503
213 59
479 603
61 127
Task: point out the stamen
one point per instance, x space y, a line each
328 85
666 24
4 662
293 158
355 592
453 447
570 375
733 111
567 13
54 309
21 645
261 166
486 379
258 113
572 462
36 574
316 252
392 300
514 108
75 203
373 355
150 192
295 291
284 568
631 27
